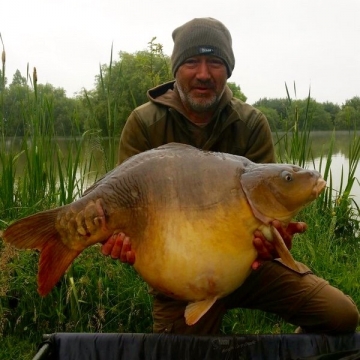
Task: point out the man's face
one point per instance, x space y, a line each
201 82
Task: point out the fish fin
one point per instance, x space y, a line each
38 231
195 310
282 250
55 258
33 231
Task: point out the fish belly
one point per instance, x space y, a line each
197 254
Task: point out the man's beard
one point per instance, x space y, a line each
199 104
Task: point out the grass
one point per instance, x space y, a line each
14 348
102 295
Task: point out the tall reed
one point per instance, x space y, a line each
294 146
109 134
2 88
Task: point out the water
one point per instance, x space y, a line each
339 171
320 147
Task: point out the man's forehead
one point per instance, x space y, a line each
206 57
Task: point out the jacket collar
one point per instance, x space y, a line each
168 95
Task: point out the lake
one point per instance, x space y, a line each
320 146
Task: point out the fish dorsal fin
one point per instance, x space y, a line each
55 258
195 310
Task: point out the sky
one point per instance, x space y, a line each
310 45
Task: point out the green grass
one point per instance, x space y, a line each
15 348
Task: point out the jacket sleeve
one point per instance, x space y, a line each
133 139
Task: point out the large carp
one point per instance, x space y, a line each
190 214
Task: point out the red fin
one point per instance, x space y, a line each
54 260
33 231
38 231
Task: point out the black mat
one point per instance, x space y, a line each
76 346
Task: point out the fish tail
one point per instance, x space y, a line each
38 232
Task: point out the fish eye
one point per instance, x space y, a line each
287 176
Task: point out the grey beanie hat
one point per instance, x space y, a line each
202 36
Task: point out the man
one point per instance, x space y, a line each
198 109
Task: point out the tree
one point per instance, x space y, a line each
272 117
237 91
280 105
315 114
332 109
354 102
19 104
122 85
60 109
15 98
295 113
348 118
18 79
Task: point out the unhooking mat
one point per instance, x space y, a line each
80 346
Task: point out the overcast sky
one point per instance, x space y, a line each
314 43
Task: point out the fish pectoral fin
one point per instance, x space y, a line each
282 250
195 310
55 258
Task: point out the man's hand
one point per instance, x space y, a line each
118 247
265 248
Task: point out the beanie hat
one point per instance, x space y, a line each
202 36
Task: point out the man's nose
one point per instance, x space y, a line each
203 72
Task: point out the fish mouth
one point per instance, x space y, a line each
319 187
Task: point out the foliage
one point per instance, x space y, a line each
325 116
122 85
332 109
13 348
96 295
280 106
295 144
339 203
236 91
272 116
349 115
19 94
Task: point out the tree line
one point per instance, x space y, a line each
122 85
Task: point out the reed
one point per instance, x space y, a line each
294 146
2 87
108 133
